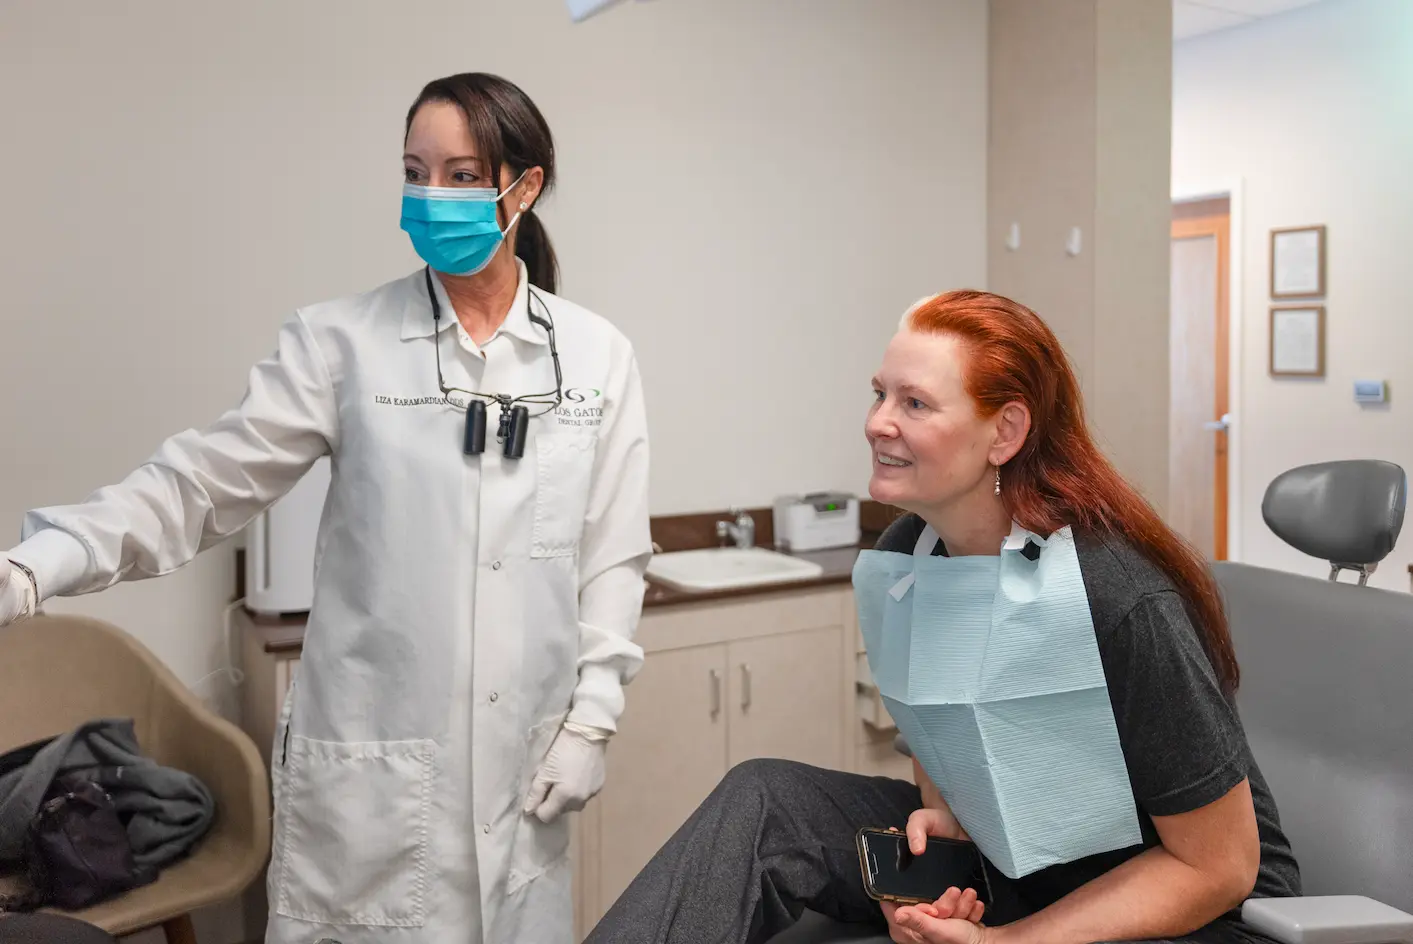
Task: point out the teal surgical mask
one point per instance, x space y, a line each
455 229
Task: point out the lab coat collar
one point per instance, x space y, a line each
417 317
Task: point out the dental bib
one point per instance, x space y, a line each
990 667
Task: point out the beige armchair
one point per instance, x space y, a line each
57 672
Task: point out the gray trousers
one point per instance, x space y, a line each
773 839
45 928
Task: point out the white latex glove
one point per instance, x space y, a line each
571 773
17 594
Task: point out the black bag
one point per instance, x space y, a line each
77 853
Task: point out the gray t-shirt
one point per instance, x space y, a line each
1182 739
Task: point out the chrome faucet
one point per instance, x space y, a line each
741 531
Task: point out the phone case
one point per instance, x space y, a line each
875 894
872 892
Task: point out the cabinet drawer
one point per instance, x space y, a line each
868 700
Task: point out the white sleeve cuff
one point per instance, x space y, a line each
598 698
591 734
59 560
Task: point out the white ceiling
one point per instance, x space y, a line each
1195 17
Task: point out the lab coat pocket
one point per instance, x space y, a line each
353 818
538 846
564 465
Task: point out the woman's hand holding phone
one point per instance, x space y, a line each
933 822
939 821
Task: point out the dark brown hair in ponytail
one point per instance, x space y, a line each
509 131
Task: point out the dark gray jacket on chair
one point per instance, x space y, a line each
167 811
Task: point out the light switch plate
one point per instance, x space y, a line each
1370 391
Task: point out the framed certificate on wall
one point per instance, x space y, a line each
1298 262
1298 341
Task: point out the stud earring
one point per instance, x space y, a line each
524 206
998 480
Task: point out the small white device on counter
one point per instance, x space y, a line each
280 545
816 521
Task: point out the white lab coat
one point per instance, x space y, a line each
463 607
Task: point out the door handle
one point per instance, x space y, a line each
1218 425
715 677
745 686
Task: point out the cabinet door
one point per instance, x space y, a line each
668 754
787 698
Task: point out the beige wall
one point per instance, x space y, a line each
1079 137
753 191
1128 398
1309 114
1041 162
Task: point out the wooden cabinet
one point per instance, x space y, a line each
722 682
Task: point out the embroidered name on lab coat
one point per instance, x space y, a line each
382 400
582 406
579 415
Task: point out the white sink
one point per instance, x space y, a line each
725 568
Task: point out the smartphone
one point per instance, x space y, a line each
892 873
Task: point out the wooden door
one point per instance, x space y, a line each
786 698
1199 417
668 754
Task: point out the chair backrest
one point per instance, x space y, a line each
1348 512
56 672
1327 702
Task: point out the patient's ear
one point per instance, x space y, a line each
1012 427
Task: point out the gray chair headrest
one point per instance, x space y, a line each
1347 512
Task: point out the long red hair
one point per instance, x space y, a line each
1059 477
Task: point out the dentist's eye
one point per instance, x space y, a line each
878 396
409 174
915 403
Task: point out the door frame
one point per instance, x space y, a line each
1184 191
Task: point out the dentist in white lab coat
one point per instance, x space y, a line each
471 631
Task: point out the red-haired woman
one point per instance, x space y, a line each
1055 655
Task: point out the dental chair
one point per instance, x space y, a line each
1348 513
1327 704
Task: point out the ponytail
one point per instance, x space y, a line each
532 245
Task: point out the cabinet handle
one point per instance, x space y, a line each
715 693
745 686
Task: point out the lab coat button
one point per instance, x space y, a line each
494 696
486 828
495 566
